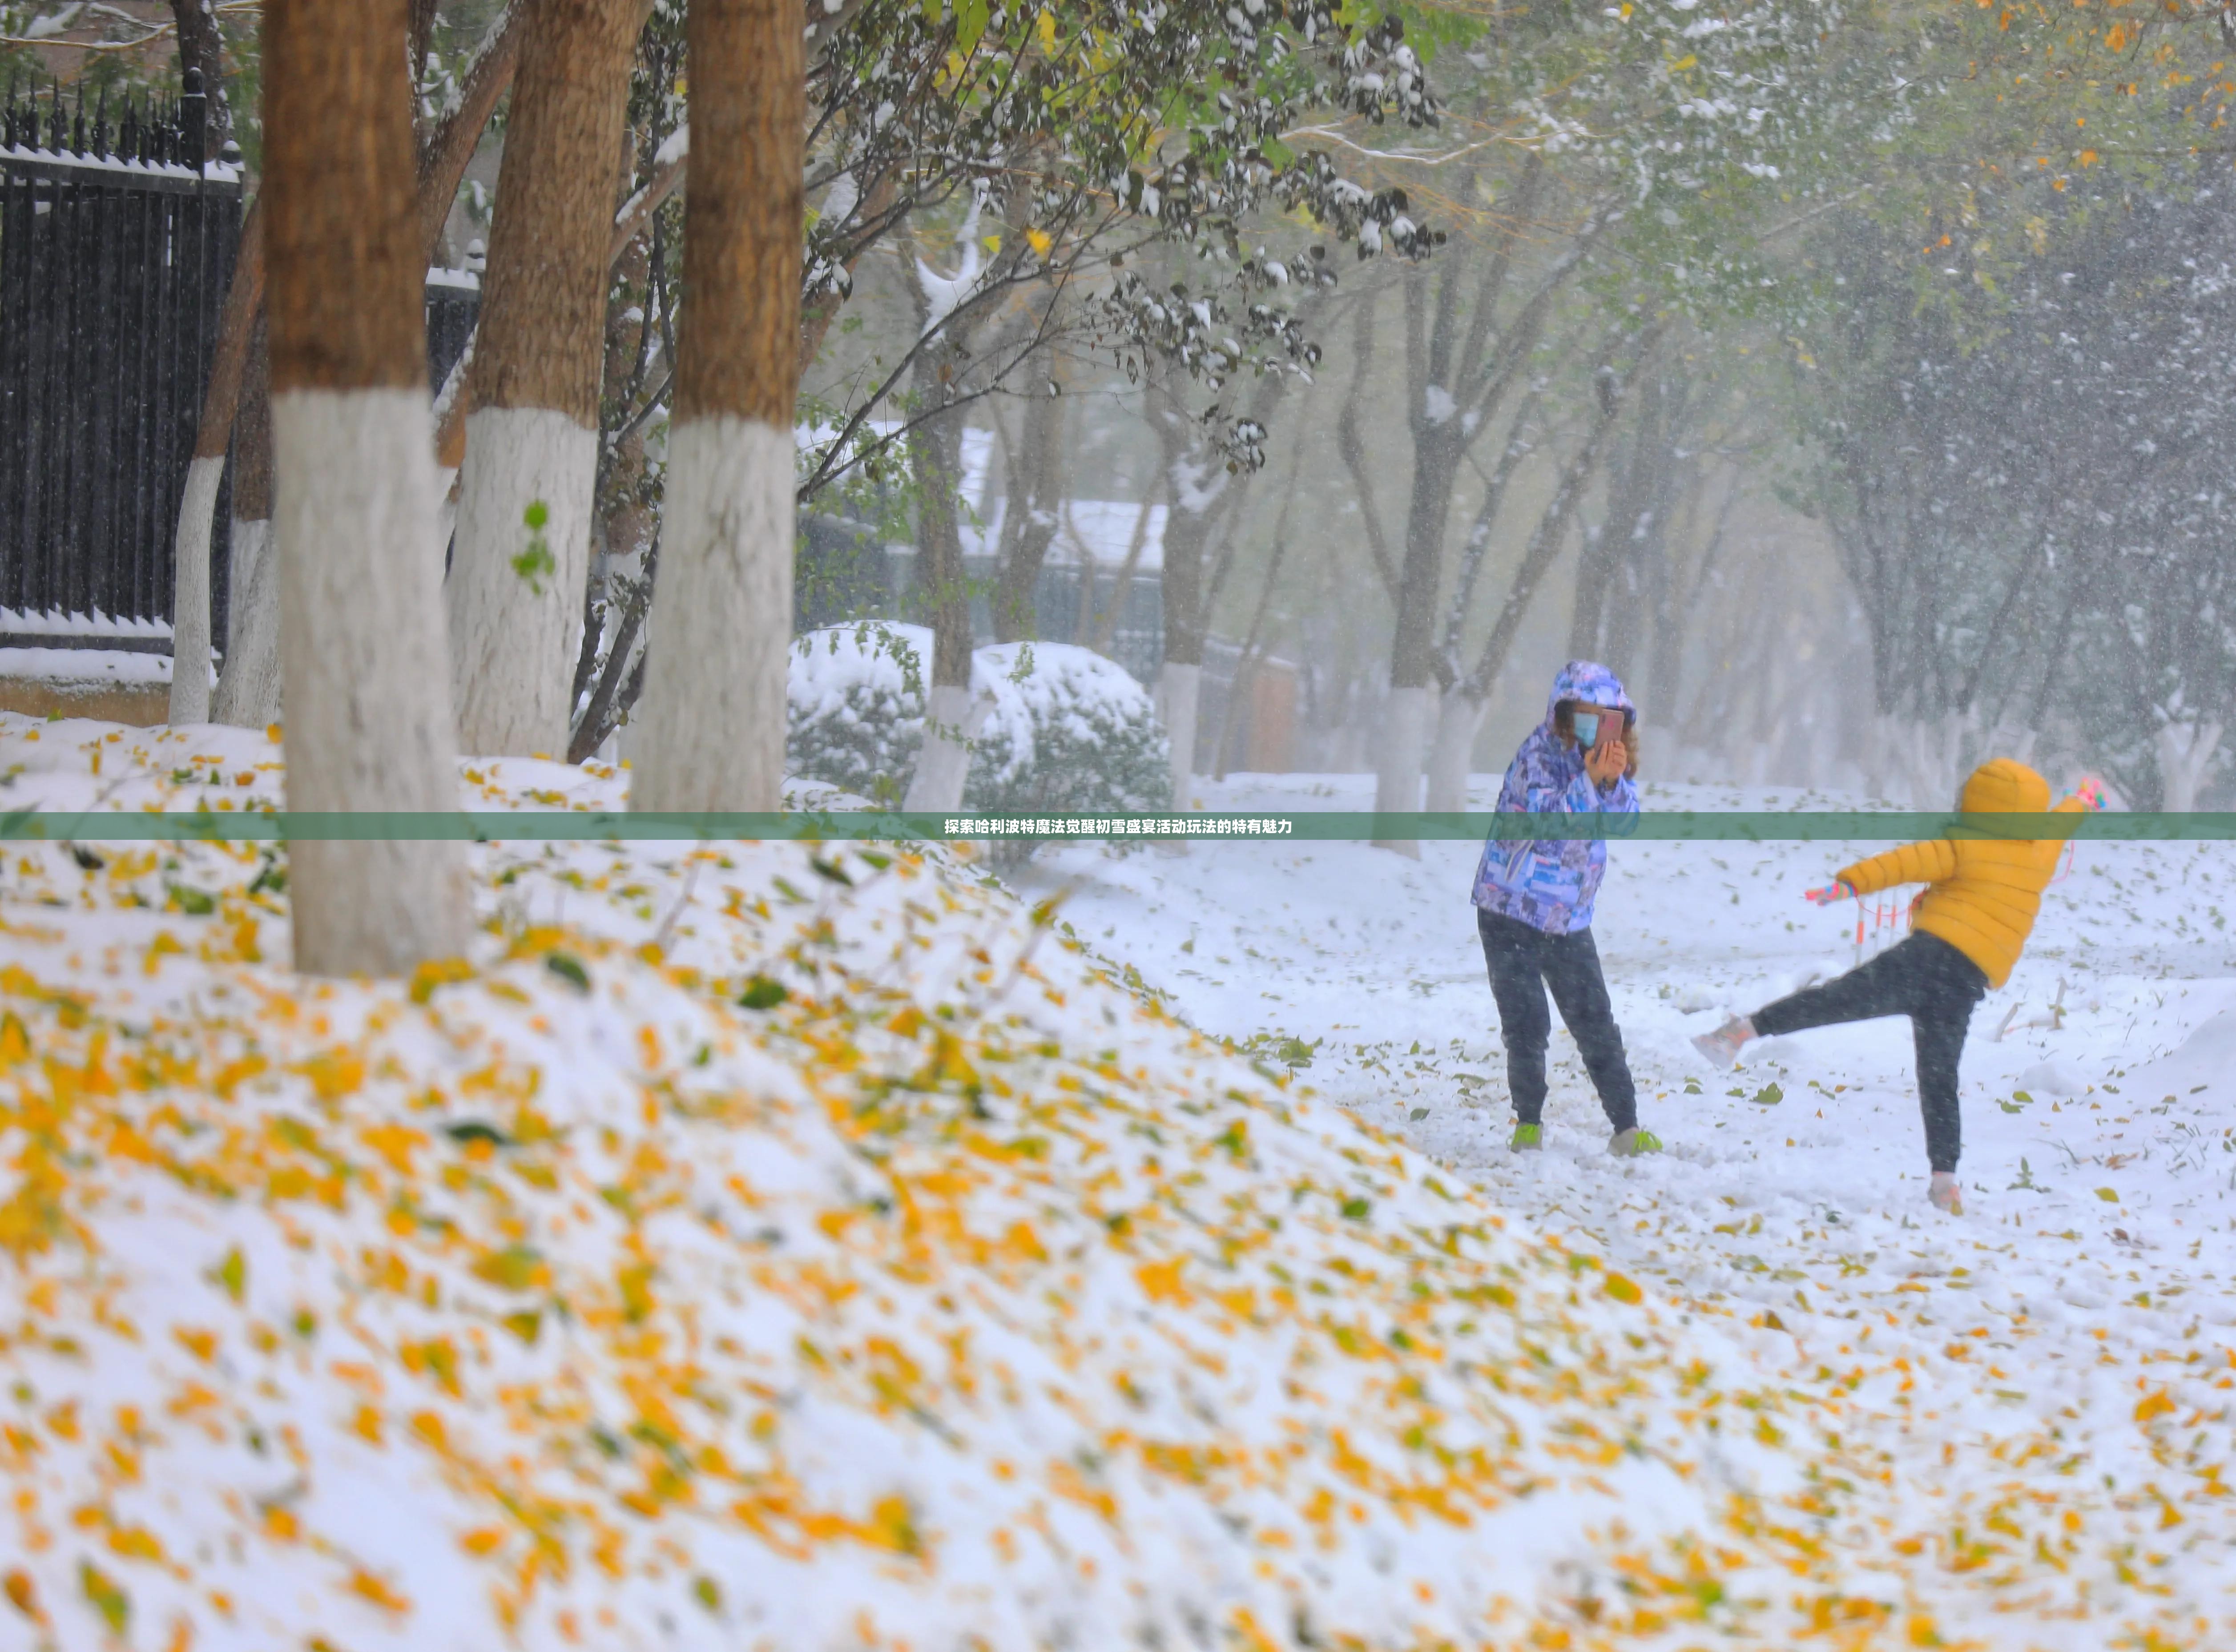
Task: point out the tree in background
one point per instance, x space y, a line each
362 653
1646 140
2025 486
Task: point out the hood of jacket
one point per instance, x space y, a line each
1587 683
2005 787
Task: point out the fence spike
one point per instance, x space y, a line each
101 125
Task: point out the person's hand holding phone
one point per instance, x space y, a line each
1606 761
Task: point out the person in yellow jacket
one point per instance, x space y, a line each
1982 894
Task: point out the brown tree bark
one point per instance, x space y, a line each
445 152
532 436
203 48
713 708
353 481
422 35
442 157
543 294
1029 518
248 695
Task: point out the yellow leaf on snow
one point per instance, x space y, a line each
517 1267
333 1073
136 1542
396 1143
1162 1281
365 1586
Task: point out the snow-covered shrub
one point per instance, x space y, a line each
1097 747
1062 730
855 713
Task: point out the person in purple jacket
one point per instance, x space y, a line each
1534 899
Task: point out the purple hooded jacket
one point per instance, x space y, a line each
1550 884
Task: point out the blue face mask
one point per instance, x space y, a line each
1587 729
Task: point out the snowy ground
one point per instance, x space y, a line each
1372 959
2098 1252
593 1291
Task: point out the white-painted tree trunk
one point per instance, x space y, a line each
2186 754
1179 690
248 693
368 677
952 718
2016 743
190 588
1920 762
1458 717
1405 717
516 592
709 730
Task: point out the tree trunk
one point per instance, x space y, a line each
1459 715
1104 633
241 351
446 152
201 48
1435 468
1180 677
1641 530
1407 716
712 716
190 691
363 653
1604 625
1595 570
1246 664
528 489
248 693
1028 519
190 606
942 765
2186 751
1199 487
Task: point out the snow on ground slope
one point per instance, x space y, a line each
594 1292
2068 1341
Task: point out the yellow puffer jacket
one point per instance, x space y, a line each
1983 892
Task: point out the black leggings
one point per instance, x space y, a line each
1925 978
1524 963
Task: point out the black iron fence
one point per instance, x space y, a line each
116 248
116 244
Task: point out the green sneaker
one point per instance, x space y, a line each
1628 1144
1527 1138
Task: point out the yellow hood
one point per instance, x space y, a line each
2005 787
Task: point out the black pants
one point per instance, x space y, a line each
1925 978
1524 963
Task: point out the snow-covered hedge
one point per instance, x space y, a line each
1065 729
855 707
1097 747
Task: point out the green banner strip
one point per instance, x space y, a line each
1331 827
